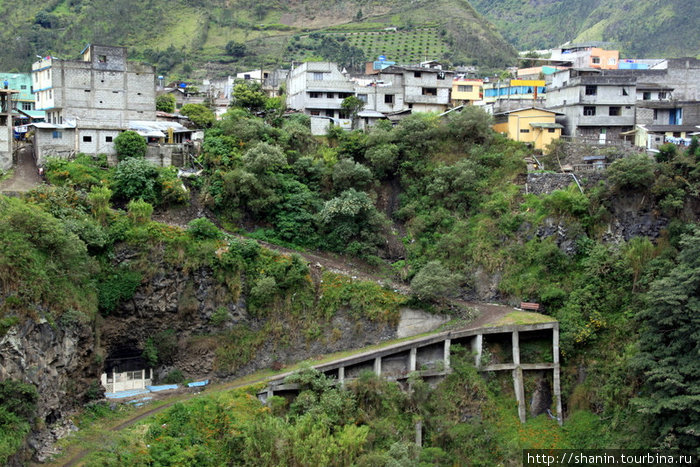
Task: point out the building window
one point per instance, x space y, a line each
343 115
656 114
87 139
246 76
589 111
591 90
595 60
646 96
624 92
317 76
524 130
388 98
87 90
102 58
416 74
615 111
26 106
24 86
430 91
441 75
315 112
611 61
330 95
57 134
315 95
662 95
362 97
465 88
330 113
550 130
108 139
410 106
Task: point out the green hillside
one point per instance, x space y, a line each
639 28
191 36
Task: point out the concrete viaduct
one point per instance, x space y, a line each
429 357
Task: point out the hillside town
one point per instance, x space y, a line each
582 92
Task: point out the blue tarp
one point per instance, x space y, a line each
198 383
123 394
164 387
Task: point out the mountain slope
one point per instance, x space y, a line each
639 28
183 35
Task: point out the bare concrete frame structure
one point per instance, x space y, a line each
6 128
429 357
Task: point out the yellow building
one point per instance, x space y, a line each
534 126
466 91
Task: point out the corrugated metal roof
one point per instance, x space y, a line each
546 125
153 126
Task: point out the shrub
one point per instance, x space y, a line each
130 144
136 178
434 281
203 229
174 377
139 211
632 173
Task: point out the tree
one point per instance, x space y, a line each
249 95
236 49
130 144
353 105
199 114
669 345
352 223
165 103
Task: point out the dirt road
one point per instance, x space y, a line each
25 176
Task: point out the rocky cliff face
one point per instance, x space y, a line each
58 360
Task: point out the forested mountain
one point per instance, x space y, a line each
639 28
186 36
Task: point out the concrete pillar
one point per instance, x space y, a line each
477 344
378 366
412 359
419 433
341 376
555 373
516 348
519 393
446 354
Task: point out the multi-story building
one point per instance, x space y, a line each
90 101
597 104
466 90
318 89
531 125
102 88
587 56
21 82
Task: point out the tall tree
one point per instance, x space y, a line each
670 347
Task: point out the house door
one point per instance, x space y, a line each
601 136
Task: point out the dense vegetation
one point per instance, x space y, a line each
627 308
640 29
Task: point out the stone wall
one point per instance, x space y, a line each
545 183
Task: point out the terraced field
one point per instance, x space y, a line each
406 46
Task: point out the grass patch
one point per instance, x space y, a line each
522 318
